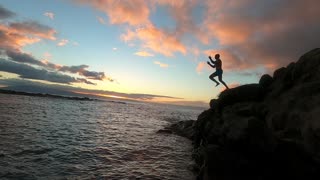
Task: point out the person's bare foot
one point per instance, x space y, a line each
217 84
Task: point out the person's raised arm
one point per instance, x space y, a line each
213 66
212 60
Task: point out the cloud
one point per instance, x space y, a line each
156 40
161 64
114 49
269 33
101 20
133 12
63 42
30 72
21 57
230 61
202 66
249 33
49 15
143 54
5 13
22 85
10 38
81 70
33 28
182 12
15 35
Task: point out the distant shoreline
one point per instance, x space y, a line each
2 91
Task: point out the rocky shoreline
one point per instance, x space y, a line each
3 91
269 130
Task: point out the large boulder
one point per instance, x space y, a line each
265 81
245 93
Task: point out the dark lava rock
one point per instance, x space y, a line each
269 130
265 81
182 128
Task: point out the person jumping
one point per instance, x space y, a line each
218 65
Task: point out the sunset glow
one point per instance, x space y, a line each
150 50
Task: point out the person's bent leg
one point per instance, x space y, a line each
212 78
220 79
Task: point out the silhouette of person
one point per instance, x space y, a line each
218 65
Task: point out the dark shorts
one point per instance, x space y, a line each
218 72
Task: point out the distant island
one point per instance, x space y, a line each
47 95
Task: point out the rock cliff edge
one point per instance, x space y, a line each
268 130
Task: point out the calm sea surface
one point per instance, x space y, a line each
46 138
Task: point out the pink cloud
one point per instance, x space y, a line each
136 14
202 66
133 12
156 40
230 61
248 33
269 34
33 28
11 38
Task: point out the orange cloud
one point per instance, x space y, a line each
249 33
269 34
133 12
156 40
229 33
202 66
136 14
10 38
34 29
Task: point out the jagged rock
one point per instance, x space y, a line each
213 103
165 130
182 128
245 93
265 81
269 130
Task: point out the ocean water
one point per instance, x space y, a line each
46 138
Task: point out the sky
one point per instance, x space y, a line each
151 50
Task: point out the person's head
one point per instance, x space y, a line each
217 56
